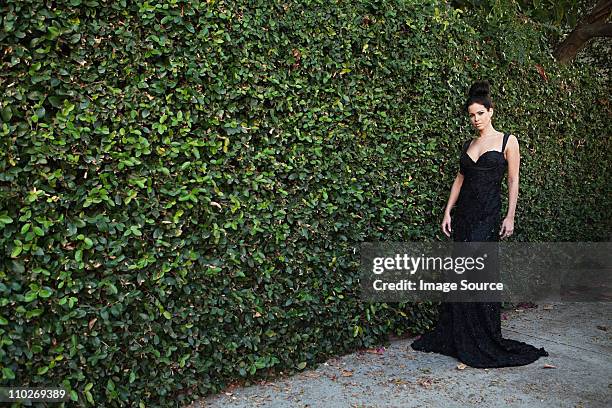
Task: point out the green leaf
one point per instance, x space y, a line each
7 374
6 113
89 397
45 292
31 295
5 219
17 249
183 360
88 243
111 289
34 313
55 101
301 365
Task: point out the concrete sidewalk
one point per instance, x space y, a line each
576 335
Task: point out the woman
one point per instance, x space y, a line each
471 332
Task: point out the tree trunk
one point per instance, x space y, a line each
592 25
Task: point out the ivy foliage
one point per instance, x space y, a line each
183 184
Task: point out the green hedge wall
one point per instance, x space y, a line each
183 183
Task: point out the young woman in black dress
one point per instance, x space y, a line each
471 332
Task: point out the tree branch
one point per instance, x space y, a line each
600 12
592 25
603 30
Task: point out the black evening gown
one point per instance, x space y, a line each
471 332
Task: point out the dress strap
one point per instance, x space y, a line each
506 136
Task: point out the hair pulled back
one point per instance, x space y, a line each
480 93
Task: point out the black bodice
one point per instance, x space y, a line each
478 207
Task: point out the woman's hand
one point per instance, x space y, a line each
507 227
446 224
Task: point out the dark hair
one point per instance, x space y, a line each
480 93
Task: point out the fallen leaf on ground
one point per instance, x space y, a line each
526 305
461 366
346 373
424 382
604 328
549 366
311 374
547 307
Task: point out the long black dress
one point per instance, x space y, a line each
471 332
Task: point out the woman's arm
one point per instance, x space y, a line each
514 160
452 199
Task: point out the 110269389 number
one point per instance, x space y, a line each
33 394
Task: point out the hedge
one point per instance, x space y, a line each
184 185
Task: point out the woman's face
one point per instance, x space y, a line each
480 116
